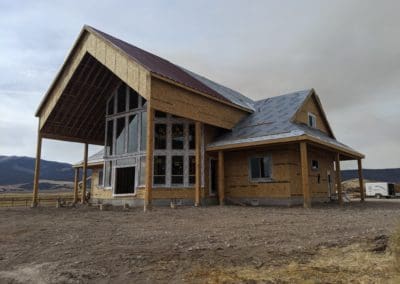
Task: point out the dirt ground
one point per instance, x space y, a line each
228 244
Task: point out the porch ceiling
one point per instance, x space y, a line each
79 114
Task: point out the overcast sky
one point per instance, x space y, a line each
349 51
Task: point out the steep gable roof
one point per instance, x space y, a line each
171 71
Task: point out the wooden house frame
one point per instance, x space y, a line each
183 136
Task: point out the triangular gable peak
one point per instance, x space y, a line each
312 105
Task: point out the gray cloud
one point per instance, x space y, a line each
347 50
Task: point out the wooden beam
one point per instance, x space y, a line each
84 173
76 185
198 163
149 157
361 180
37 168
304 175
338 178
221 178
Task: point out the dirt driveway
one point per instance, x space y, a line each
209 244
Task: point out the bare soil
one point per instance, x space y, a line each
228 244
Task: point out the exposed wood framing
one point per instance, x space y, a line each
149 156
221 178
76 184
361 180
37 168
198 135
84 172
304 175
338 178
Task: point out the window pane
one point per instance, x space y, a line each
121 99
255 167
160 114
192 137
159 169
142 176
120 139
192 169
143 131
108 171
144 101
100 178
133 134
110 107
266 167
133 99
177 170
160 136
177 136
109 142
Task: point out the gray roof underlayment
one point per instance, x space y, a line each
272 119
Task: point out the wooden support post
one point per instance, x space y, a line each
221 178
149 157
361 180
304 175
338 178
84 173
76 185
37 168
198 164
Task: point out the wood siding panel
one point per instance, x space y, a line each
312 107
178 101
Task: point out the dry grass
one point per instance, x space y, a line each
395 247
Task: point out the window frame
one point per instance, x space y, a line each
313 118
312 167
261 179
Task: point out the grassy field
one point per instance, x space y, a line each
25 199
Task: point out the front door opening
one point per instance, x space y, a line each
213 177
125 180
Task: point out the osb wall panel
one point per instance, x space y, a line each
96 191
168 193
326 164
237 181
131 73
178 101
312 106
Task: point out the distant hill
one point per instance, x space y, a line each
384 175
19 170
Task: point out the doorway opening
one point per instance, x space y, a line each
125 180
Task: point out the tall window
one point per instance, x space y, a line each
260 168
312 120
159 170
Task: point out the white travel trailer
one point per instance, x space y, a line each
380 189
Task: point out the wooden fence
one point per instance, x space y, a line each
25 200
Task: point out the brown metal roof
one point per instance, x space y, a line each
158 65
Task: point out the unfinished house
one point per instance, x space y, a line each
172 135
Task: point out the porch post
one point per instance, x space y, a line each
198 163
76 185
37 168
84 173
338 178
149 157
361 180
221 178
304 175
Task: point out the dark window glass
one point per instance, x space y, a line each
120 138
100 178
143 136
133 134
192 137
177 170
133 99
159 169
110 107
160 136
177 136
121 99
109 142
160 114
144 101
314 165
260 168
192 169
